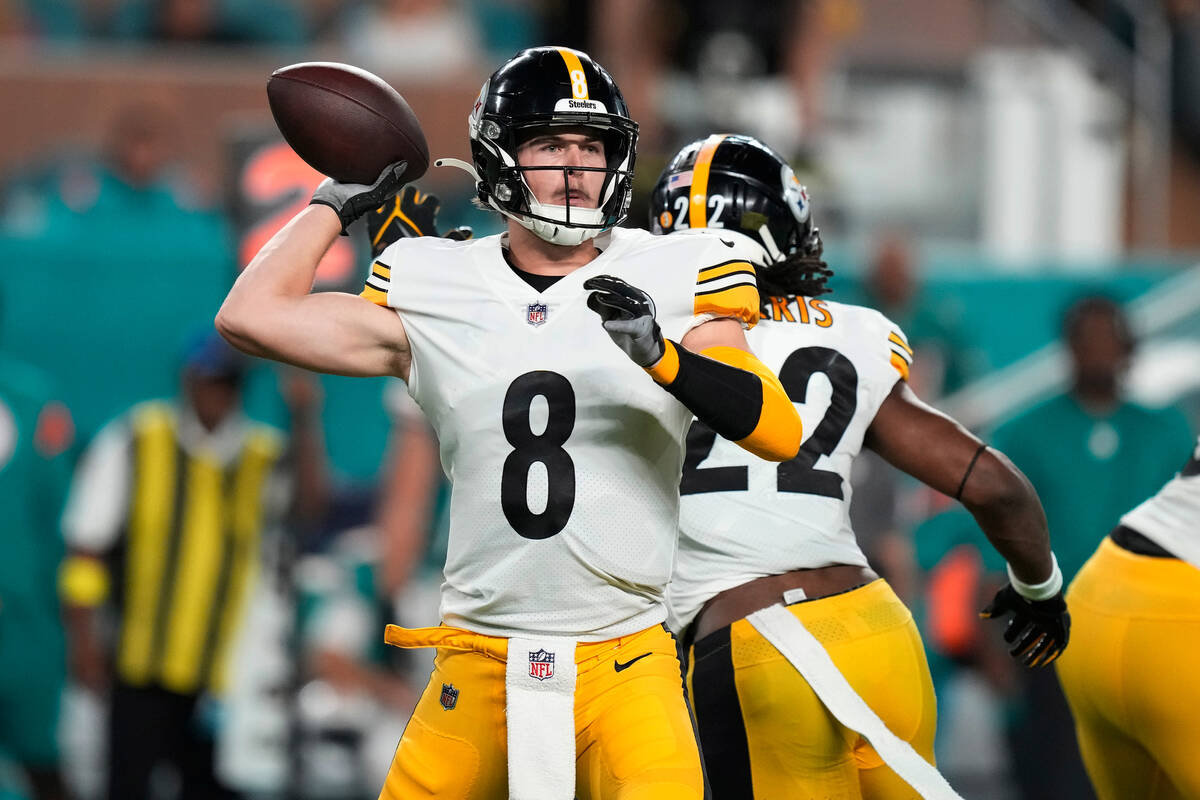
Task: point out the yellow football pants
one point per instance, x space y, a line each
1130 674
766 735
633 735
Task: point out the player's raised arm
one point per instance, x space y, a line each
271 312
1002 501
711 371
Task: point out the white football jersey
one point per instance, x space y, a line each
742 518
1171 519
564 455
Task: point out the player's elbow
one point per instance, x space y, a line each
995 486
236 323
779 432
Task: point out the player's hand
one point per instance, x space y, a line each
628 317
410 214
1038 630
352 200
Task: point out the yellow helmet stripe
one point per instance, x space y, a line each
698 215
579 86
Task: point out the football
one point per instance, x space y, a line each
346 122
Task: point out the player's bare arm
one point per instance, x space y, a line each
939 452
935 449
271 311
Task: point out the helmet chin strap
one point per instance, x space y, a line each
555 230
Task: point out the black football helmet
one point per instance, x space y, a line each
736 184
545 87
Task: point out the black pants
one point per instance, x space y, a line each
152 726
1046 760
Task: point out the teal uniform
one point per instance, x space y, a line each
1088 470
34 433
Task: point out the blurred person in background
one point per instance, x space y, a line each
35 433
1137 624
1091 453
165 523
356 700
758 537
892 284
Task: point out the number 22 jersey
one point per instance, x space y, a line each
564 455
742 518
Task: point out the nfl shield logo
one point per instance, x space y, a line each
541 665
535 314
449 696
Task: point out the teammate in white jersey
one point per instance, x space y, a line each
563 450
755 534
1136 606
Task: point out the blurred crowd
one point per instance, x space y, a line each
249 533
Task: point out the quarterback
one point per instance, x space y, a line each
554 675
764 545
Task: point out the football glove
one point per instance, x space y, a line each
352 200
1039 629
409 214
628 317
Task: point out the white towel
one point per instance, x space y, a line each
789 636
540 686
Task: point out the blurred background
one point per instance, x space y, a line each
1016 183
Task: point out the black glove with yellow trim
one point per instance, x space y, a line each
410 214
1039 629
352 200
627 314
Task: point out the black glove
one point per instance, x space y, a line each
628 317
352 200
1039 628
410 214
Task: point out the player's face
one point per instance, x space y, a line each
560 149
212 399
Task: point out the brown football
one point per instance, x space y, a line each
345 122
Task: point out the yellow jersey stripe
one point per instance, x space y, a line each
246 513
381 271
738 302
902 354
698 214
901 366
201 549
374 295
579 86
721 270
895 339
149 527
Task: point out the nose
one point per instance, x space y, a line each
573 157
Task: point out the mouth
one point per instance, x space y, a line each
574 198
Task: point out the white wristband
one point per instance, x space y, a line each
1038 591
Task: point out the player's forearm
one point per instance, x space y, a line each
733 393
281 273
1008 511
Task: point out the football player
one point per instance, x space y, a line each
1136 606
757 536
554 675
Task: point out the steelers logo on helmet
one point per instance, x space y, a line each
536 92
794 194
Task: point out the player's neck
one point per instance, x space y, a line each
530 253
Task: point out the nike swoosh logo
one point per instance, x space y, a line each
618 666
727 244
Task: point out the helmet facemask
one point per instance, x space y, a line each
512 195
